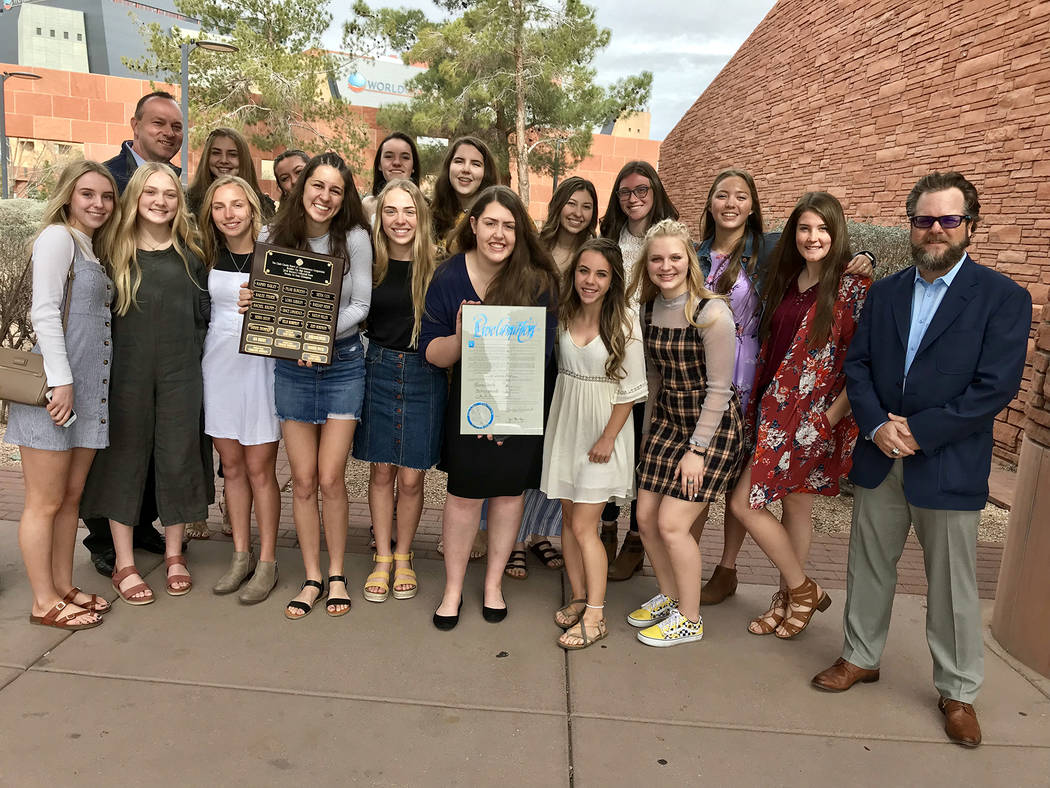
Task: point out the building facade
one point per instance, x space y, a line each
861 97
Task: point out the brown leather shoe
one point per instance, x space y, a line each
842 675
960 722
630 559
720 586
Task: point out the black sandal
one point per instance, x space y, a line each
516 561
332 601
545 551
306 607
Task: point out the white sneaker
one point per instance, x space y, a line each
656 609
674 630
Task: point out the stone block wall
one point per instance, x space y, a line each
861 97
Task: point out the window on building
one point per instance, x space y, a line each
65 34
63 149
80 36
39 32
52 33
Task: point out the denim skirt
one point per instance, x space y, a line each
404 409
311 394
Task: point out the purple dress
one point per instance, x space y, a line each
743 301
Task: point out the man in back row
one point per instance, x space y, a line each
938 353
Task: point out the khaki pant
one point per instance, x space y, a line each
881 521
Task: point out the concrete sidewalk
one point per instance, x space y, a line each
200 691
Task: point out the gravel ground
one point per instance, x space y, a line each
830 515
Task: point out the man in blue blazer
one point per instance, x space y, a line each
939 351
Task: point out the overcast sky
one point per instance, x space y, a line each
684 43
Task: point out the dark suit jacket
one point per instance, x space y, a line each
123 165
967 369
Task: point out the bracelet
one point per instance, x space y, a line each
870 256
700 451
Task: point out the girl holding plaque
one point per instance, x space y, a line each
319 406
468 169
637 202
226 152
404 406
694 447
588 450
502 262
239 412
161 313
71 319
571 220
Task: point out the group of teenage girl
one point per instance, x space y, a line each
681 370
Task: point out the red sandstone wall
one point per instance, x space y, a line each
860 97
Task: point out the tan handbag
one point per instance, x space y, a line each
22 377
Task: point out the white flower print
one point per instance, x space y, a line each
807 380
806 434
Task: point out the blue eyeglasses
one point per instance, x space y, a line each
948 222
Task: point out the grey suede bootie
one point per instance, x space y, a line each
261 584
241 566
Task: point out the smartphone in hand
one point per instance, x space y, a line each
72 414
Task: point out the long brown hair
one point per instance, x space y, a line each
562 195
423 257
529 273
753 228
643 285
203 178
288 227
615 219
446 200
786 263
614 321
124 263
212 239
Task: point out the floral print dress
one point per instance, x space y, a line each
796 448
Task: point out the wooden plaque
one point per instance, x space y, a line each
295 304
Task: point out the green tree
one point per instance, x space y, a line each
512 71
275 88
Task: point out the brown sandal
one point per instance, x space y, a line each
92 605
804 601
767 623
51 619
570 615
178 577
129 595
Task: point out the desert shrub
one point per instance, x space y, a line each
19 222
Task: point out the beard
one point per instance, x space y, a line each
938 263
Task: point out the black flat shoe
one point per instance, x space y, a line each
445 623
104 561
493 614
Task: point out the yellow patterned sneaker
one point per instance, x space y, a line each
656 609
674 630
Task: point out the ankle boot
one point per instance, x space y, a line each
240 568
630 559
261 584
721 585
608 537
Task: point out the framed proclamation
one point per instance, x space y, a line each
502 370
295 304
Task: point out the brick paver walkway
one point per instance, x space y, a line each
827 560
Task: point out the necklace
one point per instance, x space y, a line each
240 266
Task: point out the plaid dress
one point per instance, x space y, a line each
678 355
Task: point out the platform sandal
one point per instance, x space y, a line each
178 577
803 602
767 623
405 577
128 595
380 578
306 607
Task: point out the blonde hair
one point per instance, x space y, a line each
643 285
212 239
57 210
423 257
124 265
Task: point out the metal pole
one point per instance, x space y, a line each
3 141
185 103
557 161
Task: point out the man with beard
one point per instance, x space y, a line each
939 351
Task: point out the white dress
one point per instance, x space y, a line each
238 388
583 401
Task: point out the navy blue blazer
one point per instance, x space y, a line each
967 369
123 165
